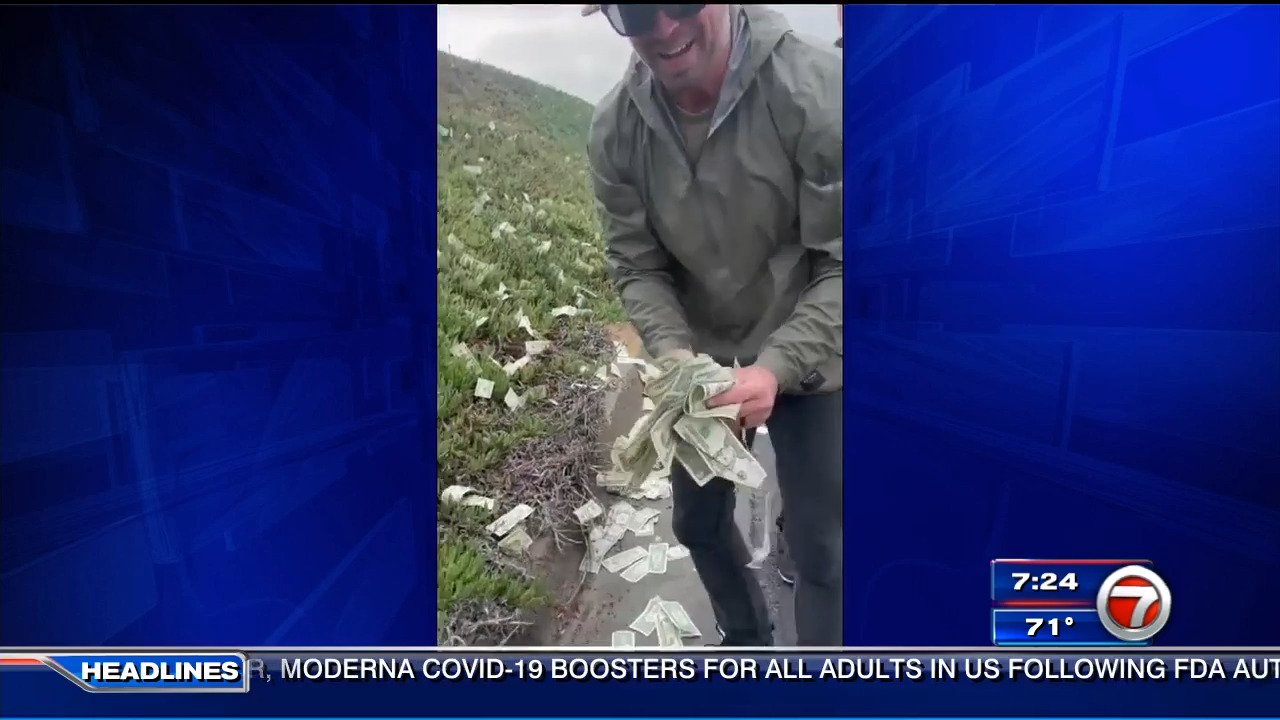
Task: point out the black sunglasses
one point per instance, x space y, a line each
637 20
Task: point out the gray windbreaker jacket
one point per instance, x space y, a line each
741 255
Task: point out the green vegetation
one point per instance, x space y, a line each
517 236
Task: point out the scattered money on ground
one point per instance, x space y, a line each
636 572
453 494
479 501
516 542
659 612
513 517
588 512
466 497
642 517
647 621
601 539
514 366
657 558
513 399
653 488
668 636
680 618
624 639
675 426
594 555
625 559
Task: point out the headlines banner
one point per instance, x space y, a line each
645 682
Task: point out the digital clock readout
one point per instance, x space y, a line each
1044 582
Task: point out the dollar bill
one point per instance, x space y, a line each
589 511
453 493
522 322
761 529
641 518
515 366
623 640
513 399
624 559
657 558
591 560
647 621
516 542
695 464
636 572
600 541
611 537
718 444
509 520
677 552
479 501
680 619
462 352
620 515
668 636
654 488
612 479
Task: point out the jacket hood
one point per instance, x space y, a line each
757 31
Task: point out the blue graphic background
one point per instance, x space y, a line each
44 693
217 304
1063 308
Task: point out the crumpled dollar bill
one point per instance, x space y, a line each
706 441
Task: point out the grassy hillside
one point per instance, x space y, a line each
517 237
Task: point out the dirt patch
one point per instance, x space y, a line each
559 565
590 609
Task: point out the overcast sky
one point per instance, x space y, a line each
554 44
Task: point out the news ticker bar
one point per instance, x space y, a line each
180 671
1077 603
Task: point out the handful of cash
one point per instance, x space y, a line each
706 441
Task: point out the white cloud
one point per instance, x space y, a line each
554 44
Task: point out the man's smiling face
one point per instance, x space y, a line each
681 53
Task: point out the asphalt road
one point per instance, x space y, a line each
778 593
611 603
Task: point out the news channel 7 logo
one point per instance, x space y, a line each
1134 603
1077 602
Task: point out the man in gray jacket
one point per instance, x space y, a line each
717 164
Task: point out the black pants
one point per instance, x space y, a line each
807 433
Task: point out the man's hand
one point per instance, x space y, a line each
755 388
